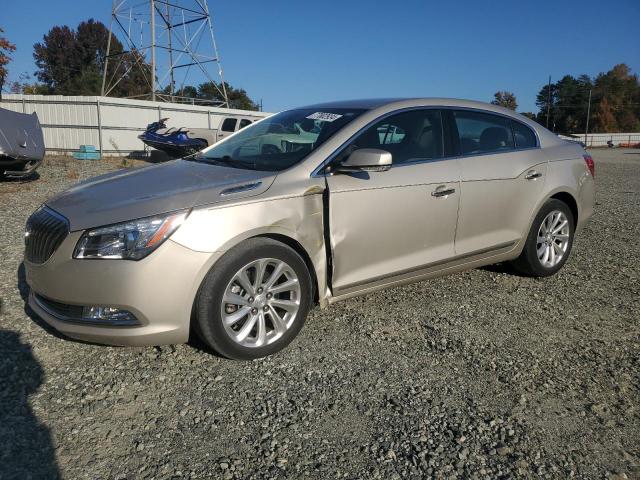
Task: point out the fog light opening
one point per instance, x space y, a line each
111 315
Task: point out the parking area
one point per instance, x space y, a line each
482 374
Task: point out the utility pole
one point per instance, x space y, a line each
153 50
586 131
548 100
106 58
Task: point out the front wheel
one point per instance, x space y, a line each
549 241
254 301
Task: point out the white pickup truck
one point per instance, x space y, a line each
178 142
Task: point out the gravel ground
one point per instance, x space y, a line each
482 374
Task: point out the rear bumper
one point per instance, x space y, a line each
586 201
158 290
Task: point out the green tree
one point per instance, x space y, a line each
71 62
34 89
621 90
55 60
238 97
545 101
605 120
571 102
188 91
505 99
6 47
615 102
182 93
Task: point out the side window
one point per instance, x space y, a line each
244 123
409 136
483 132
229 124
524 136
390 134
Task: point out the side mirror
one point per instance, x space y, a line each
366 159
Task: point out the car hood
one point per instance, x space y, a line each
176 185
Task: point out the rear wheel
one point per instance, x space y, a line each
254 301
549 242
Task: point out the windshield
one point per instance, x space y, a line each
280 141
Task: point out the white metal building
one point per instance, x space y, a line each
601 139
112 125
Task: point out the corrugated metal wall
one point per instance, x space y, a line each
111 124
601 139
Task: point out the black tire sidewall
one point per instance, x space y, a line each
208 315
528 262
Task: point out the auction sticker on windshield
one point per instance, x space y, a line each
325 117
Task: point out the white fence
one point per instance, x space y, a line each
601 139
112 125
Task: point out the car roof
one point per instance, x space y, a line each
371 103
366 103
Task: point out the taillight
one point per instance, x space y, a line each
590 164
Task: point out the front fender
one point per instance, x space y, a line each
218 229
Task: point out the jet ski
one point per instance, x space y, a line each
176 142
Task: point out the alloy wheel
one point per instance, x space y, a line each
553 239
261 302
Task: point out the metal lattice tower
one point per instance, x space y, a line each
170 42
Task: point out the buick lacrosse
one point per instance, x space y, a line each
309 206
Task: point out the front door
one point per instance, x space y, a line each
383 224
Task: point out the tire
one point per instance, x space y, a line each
256 332
531 261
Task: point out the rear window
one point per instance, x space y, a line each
523 135
483 132
244 123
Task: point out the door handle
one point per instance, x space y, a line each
532 175
442 191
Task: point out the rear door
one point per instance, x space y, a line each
389 223
502 171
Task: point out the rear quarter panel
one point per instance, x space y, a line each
567 172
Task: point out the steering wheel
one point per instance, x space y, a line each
270 149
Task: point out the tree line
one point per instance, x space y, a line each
71 62
615 103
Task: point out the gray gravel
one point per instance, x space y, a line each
478 375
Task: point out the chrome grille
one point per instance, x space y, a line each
45 232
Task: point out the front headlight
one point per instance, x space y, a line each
129 240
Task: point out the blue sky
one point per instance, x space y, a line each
290 53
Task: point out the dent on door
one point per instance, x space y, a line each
383 224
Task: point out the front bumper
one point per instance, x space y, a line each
159 290
21 168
